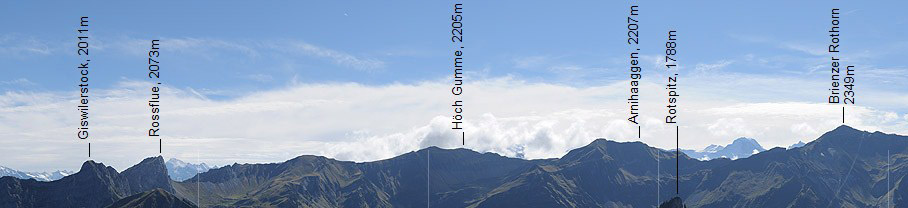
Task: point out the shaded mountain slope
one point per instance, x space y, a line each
601 174
312 181
152 199
843 168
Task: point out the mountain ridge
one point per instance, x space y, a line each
843 168
40 176
95 185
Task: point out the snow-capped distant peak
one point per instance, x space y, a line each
41 176
739 148
796 145
179 170
713 148
176 163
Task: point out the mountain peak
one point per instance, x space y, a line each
156 159
438 151
179 170
844 127
675 202
148 174
432 148
746 143
598 144
176 162
745 139
606 142
90 166
796 145
602 141
40 176
609 150
840 135
154 164
739 148
713 148
468 178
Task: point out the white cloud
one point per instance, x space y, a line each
197 45
260 77
815 51
212 48
531 62
16 46
351 121
703 67
337 57
730 127
18 82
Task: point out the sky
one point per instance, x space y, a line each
253 82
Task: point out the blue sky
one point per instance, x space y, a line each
766 53
573 43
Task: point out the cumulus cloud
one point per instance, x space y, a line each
350 121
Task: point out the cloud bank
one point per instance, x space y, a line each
350 121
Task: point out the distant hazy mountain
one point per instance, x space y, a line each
740 148
843 168
179 170
796 145
41 176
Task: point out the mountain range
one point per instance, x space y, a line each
177 169
41 176
842 168
740 148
